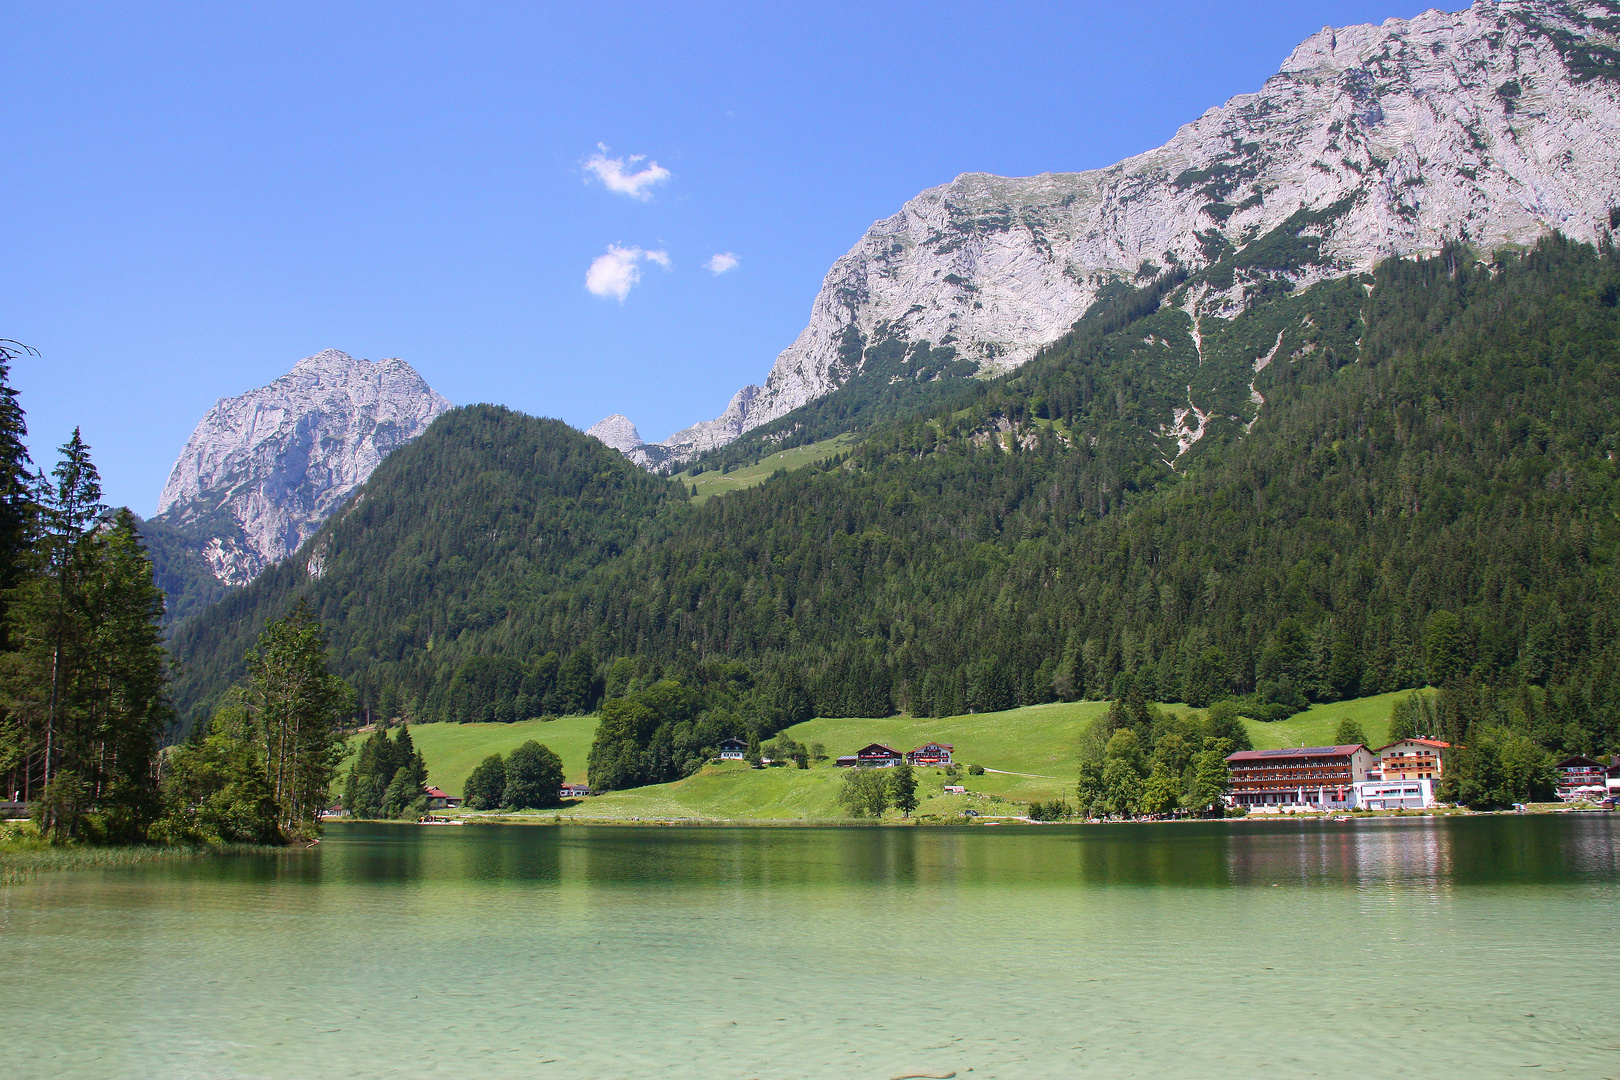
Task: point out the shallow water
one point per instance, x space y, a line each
1423 947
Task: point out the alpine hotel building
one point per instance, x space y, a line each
1314 777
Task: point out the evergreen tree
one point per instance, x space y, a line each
123 691
86 688
19 511
387 777
299 709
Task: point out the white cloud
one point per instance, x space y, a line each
719 264
617 272
612 172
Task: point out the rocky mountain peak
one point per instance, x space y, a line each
1493 126
618 432
264 469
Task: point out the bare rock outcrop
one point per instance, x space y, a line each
1493 125
263 470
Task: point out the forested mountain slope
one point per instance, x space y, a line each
1379 482
453 539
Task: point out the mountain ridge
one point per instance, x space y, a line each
1493 126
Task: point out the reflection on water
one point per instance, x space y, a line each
1208 949
1432 852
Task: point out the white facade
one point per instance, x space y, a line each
1394 794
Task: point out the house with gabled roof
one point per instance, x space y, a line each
440 799
1414 759
873 755
933 753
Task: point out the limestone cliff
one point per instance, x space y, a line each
1492 125
263 470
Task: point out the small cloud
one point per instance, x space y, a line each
719 264
617 272
620 174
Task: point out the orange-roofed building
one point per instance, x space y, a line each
1414 759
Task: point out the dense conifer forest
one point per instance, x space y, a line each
1399 479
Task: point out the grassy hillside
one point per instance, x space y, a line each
1314 726
1038 742
714 482
731 792
1039 739
734 792
452 750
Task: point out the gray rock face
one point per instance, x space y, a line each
1493 125
618 432
263 470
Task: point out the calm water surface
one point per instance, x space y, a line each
1395 948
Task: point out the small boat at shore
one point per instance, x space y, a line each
431 820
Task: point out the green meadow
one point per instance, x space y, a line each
452 750
714 482
1028 754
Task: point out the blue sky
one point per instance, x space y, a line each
197 195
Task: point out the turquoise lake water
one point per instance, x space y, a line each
1479 947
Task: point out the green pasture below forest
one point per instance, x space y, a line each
453 750
1031 752
714 482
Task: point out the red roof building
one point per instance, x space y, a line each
1306 777
439 799
873 754
1582 778
931 754
1414 759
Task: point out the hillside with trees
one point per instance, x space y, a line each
1417 485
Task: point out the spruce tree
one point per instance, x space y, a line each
299 709
18 508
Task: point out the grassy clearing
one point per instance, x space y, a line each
1314 726
452 750
733 791
730 791
713 482
1038 742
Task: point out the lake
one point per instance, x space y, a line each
1424 947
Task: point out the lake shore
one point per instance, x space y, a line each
562 817
23 855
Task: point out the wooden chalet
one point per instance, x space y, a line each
440 799
574 791
931 754
873 755
733 749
